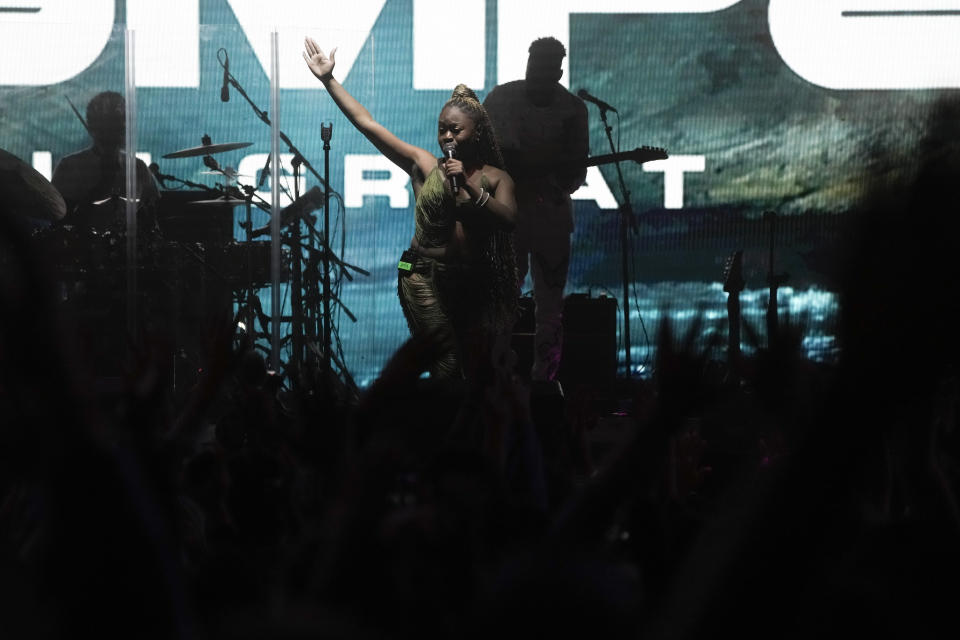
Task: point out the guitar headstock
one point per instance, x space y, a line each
646 154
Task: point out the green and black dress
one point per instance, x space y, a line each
464 303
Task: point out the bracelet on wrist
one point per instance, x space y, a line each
482 198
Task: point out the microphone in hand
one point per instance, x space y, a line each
450 152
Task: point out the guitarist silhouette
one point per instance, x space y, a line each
543 132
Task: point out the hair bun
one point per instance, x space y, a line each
463 92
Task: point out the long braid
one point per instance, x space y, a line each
498 249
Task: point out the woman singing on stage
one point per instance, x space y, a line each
457 282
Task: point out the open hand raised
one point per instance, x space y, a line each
320 64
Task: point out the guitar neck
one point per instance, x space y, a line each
640 155
607 158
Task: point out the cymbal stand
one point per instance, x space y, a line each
295 214
163 178
627 222
248 307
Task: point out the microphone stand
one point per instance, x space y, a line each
627 221
296 293
163 178
266 120
326 133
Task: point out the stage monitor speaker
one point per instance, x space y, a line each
589 340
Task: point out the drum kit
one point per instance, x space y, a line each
80 256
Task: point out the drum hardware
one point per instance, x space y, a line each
310 282
234 194
231 195
225 199
163 178
228 172
223 58
114 198
316 257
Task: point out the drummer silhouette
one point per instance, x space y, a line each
92 181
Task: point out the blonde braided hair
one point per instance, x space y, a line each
466 100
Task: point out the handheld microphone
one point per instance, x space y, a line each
597 101
450 152
225 89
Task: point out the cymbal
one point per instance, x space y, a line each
106 200
233 201
25 191
207 149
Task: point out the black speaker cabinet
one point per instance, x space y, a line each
589 340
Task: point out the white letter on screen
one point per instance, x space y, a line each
673 169
46 42
324 21
42 161
869 44
595 188
442 58
520 23
167 44
356 185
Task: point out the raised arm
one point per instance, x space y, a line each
404 155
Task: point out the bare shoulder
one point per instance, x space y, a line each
496 176
423 163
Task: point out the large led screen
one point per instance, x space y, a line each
776 115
